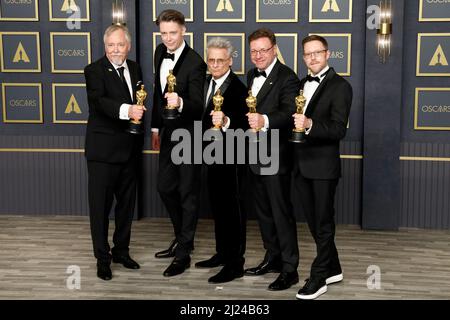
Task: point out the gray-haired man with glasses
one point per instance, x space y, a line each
223 180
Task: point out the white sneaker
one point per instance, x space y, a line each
334 279
313 295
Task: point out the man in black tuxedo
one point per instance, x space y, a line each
178 184
223 179
112 154
275 87
317 164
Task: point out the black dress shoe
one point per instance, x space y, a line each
104 271
284 281
263 268
177 266
169 252
227 274
312 289
126 261
212 262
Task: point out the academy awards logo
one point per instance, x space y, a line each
20 52
330 5
331 10
439 58
224 5
21 55
277 11
73 106
434 10
22 102
15 10
71 11
69 5
224 11
432 109
69 103
186 7
70 51
433 51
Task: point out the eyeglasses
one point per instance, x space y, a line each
219 62
261 51
315 53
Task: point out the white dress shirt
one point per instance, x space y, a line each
123 113
256 87
166 65
310 88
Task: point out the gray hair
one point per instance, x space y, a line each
220 43
114 28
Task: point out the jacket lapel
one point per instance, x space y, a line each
179 62
133 75
318 92
114 76
267 86
159 60
181 59
226 83
205 89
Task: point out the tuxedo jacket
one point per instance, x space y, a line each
190 72
106 138
276 99
234 93
329 108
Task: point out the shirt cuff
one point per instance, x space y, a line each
155 130
225 127
309 129
180 108
123 113
266 123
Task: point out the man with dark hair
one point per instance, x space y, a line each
317 164
223 179
112 154
275 87
178 184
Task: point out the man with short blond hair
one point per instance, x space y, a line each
317 164
178 184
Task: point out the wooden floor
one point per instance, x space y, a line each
35 253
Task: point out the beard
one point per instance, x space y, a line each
118 60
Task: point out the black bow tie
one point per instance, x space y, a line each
260 73
310 78
170 56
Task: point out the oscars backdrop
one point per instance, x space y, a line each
396 154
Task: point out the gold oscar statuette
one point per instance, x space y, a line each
218 102
135 126
171 112
251 104
298 135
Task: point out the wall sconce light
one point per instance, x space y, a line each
118 13
384 30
